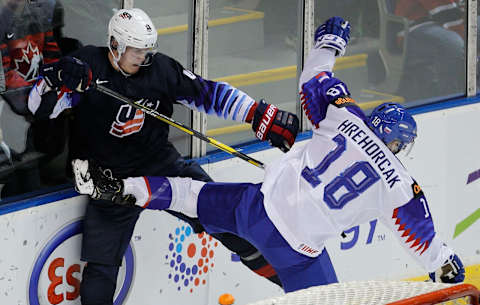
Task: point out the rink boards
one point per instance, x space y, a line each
167 264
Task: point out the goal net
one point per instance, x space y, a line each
380 292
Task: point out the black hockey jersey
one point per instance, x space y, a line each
121 137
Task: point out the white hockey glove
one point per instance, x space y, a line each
451 272
334 34
99 184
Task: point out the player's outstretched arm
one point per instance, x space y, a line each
413 226
269 123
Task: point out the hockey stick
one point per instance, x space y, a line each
178 125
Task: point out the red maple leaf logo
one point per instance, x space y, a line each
27 66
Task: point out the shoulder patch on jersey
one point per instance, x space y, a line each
344 101
417 190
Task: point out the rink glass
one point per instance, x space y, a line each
256 46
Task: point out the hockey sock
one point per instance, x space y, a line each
150 192
249 256
258 264
161 193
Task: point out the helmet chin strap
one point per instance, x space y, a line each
115 63
121 70
116 59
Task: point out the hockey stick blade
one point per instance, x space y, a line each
99 87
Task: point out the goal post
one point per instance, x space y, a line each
454 293
380 292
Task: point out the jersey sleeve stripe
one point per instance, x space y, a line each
223 101
220 99
238 106
230 102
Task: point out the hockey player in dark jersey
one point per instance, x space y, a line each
129 143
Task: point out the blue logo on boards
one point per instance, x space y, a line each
60 237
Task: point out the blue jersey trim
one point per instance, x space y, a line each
18 203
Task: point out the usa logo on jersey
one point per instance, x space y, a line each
128 121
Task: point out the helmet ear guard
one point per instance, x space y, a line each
391 122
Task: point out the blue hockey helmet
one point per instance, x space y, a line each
391 122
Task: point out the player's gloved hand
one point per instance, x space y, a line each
90 179
69 71
51 75
451 272
319 92
334 33
76 74
277 126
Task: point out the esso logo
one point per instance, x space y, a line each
57 272
61 275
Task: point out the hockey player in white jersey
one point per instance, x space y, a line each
347 174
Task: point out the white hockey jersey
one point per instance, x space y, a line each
344 176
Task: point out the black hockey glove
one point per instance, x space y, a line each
279 127
69 71
90 179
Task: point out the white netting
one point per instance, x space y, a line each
359 293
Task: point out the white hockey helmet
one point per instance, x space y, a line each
131 27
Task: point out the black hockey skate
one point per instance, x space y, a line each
98 183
